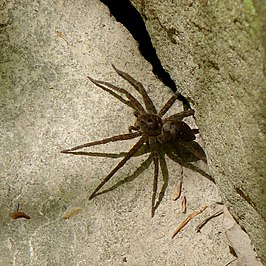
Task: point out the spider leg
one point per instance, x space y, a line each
104 141
133 150
117 96
165 175
191 166
143 150
134 103
168 104
181 115
98 154
140 88
199 153
155 182
132 128
195 131
155 157
144 165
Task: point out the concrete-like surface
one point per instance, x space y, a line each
216 51
48 105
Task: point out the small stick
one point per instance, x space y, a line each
215 214
184 204
61 35
19 214
189 217
231 262
177 191
71 213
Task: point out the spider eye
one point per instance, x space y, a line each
172 126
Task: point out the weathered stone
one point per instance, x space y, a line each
214 50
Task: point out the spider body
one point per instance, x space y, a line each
154 132
174 129
150 125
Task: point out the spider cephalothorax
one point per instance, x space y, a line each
150 125
155 133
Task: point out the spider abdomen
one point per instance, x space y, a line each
178 129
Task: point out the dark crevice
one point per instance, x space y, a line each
125 13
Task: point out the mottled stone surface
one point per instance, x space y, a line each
47 104
215 51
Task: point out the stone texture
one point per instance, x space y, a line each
47 104
215 51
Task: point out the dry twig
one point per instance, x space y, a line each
189 217
18 214
61 35
177 191
215 214
71 213
184 204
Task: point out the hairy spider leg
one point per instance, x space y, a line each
144 165
140 88
195 131
143 150
165 174
192 149
155 157
168 105
97 154
191 166
181 115
137 106
117 96
155 182
104 141
131 152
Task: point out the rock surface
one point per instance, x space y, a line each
47 104
215 51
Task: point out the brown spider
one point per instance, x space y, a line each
158 136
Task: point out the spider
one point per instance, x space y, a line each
158 136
